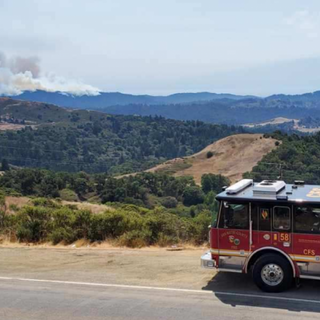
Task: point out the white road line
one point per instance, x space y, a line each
208 292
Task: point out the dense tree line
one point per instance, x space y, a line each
114 144
296 158
145 189
222 111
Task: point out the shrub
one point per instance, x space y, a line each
62 235
169 202
45 202
135 239
209 154
201 230
213 182
82 223
114 224
34 224
14 207
25 234
192 196
63 218
68 195
165 240
136 202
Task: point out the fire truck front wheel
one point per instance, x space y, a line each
272 273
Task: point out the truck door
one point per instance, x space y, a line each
261 217
282 228
233 235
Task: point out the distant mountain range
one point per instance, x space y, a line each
305 97
106 99
204 106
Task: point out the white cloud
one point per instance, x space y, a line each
306 22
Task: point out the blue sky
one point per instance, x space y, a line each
167 46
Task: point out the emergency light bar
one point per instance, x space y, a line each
239 186
269 187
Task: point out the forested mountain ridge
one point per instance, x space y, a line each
203 106
235 113
75 140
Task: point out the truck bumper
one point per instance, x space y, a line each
207 261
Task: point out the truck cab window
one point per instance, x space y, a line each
234 216
281 218
307 220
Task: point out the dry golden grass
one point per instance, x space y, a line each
94 208
12 126
12 203
232 156
15 202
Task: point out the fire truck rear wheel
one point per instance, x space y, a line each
272 273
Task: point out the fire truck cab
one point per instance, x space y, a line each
270 229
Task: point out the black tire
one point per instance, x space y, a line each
272 273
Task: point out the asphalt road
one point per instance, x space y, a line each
23 299
68 284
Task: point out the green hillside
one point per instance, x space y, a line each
297 158
80 140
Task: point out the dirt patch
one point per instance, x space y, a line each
12 126
149 266
280 120
274 121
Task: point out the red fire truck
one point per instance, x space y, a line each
270 229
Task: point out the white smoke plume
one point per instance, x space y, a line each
20 74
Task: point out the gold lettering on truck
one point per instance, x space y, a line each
314 193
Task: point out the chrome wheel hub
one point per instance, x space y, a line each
272 274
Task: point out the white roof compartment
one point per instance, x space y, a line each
268 187
239 186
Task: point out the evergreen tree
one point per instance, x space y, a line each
5 165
